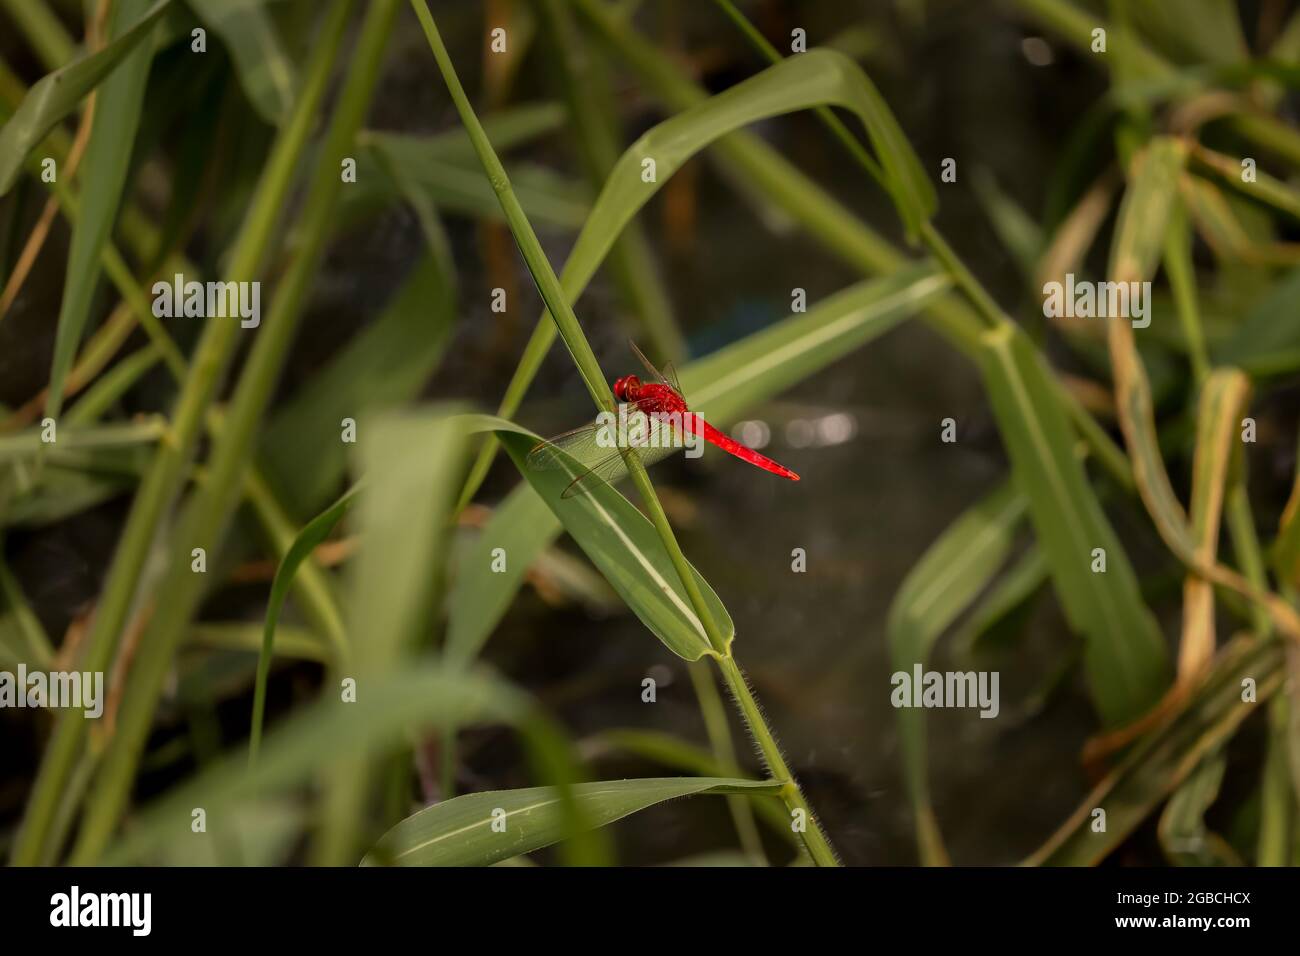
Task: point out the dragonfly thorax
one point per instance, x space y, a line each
650 397
660 399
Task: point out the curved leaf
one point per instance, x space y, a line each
460 832
56 95
816 78
315 532
621 543
323 734
108 159
264 69
1124 654
723 384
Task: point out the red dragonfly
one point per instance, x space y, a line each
593 459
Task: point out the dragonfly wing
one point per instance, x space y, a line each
653 372
668 376
591 454
579 445
670 373
611 469
602 473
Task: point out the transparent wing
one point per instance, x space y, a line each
579 445
670 373
611 470
594 459
667 377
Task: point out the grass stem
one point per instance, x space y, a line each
170 465
588 367
814 838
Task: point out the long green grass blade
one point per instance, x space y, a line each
739 376
458 186
510 127
27 444
313 533
57 95
323 734
1011 593
22 638
1124 653
483 828
294 643
108 157
586 90
411 464
521 527
677 754
622 544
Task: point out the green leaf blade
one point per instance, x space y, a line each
55 96
460 832
622 544
263 67
1124 654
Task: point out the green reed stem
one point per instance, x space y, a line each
718 730
1182 283
814 838
206 515
589 368
631 261
547 282
938 246
166 473
824 113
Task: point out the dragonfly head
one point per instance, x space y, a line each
626 387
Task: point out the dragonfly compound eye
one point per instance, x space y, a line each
624 388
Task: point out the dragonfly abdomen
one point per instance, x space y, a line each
745 453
